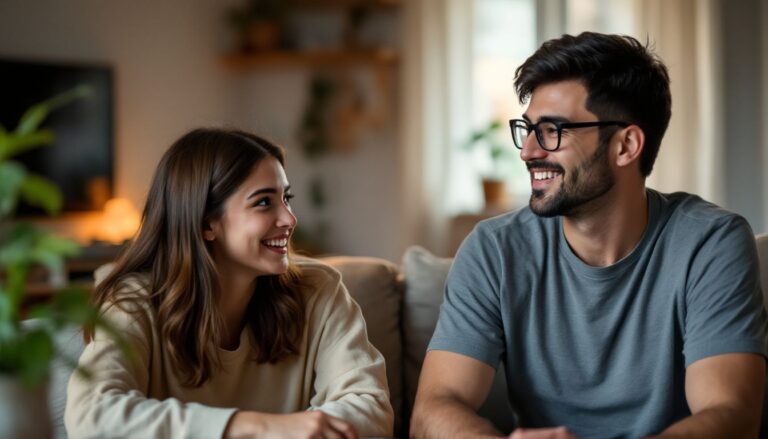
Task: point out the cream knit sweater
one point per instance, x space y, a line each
337 371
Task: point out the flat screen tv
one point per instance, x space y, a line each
79 160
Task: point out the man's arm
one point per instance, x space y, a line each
451 389
725 395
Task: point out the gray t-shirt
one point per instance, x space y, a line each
603 351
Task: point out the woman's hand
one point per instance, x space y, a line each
303 425
542 433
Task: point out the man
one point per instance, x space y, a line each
619 311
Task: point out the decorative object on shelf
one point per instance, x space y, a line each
120 221
259 24
494 180
354 21
27 348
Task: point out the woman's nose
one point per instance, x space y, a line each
286 217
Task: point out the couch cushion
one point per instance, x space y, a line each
424 282
425 276
376 286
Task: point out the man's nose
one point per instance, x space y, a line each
531 148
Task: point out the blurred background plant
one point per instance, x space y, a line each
495 156
27 350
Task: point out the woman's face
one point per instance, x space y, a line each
251 237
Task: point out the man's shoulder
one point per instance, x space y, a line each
519 222
691 212
694 207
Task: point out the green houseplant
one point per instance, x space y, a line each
27 348
488 139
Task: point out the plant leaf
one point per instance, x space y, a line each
14 144
7 313
41 192
18 245
49 242
36 114
36 354
11 177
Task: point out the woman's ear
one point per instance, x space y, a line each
631 144
208 233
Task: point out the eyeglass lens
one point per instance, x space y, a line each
547 134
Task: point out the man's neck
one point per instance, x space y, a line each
610 228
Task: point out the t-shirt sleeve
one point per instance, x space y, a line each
724 302
470 321
113 402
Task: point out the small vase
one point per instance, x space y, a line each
24 412
262 36
495 192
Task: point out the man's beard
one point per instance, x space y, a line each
587 182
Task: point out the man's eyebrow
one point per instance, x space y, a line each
547 119
554 119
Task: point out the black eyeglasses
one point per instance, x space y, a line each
548 132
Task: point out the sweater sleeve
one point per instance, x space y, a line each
113 402
350 381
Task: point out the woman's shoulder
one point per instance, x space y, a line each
316 273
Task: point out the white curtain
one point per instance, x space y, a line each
434 109
685 33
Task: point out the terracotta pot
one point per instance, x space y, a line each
24 413
262 35
495 192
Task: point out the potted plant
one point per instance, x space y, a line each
259 24
27 348
494 180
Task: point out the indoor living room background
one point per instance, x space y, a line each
420 77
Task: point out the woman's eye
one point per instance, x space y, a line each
262 202
288 198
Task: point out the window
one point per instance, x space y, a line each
503 36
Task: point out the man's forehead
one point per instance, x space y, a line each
564 98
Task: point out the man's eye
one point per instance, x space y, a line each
549 130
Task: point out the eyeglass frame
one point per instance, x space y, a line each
560 125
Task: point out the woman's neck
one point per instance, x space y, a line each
235 295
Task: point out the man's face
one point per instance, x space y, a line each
565 181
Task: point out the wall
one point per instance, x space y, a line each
169 79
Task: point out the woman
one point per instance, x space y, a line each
230 336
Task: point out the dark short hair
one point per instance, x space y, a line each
624 79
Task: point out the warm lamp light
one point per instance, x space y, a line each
120 221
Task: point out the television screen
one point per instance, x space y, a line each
79 160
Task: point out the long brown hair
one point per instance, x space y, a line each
190 186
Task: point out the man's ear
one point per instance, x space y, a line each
631 145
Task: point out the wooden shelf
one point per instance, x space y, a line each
376 57
346 3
